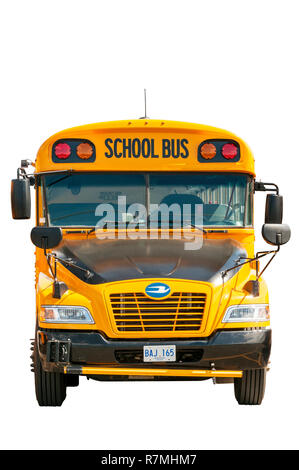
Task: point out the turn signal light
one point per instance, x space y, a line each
62 151
229 151
208 151
84 150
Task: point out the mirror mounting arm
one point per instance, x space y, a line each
48 257
259 254
21 173
264 253
260 186
59 288
67 262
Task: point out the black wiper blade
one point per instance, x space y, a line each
115 222
81 231
143 222
69 172
195 226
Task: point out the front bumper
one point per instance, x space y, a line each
91 353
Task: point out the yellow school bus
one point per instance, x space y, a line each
145 261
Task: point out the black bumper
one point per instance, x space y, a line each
234 350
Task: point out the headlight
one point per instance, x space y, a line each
246 313
65 314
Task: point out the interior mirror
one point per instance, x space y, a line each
274 209
276 234
46 237
20 198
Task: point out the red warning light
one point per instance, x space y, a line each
229 151
62 151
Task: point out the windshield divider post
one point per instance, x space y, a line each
147 195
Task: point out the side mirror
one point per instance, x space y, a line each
20 198
274 209
46 237
276 234
273 231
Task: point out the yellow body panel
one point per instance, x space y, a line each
96 297
97 133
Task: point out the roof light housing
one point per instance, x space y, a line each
73 151
218 151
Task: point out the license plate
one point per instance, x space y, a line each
159 353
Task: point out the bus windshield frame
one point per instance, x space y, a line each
233 195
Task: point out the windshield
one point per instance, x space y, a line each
82 199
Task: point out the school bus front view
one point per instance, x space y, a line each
145 262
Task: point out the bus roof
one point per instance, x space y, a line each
144 145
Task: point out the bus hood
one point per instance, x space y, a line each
117 260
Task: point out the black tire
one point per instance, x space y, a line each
72 380
250 389
50 387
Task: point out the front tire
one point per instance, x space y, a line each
72 380
50 387
250 389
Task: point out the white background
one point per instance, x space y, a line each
229 64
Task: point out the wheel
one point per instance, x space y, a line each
250 389
50 387
72 380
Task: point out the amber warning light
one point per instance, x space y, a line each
208 151
84 150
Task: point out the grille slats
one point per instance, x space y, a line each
182 311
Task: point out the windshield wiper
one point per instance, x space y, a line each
69 173
116 224
143 222
194 226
